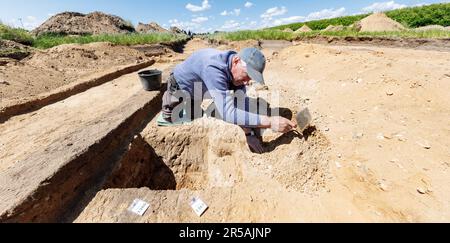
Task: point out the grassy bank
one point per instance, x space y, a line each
279 35
48 41
15 34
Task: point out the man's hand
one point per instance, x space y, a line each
255 144
281 124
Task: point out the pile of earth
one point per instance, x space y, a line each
378 22
177 30
232 45
47 70
305 28
11 51
334 28
72 23
150 28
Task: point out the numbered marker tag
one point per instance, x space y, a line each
139 207
198 206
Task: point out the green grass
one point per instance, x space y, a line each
270 34
435 14
253 34
429 34
15 34
322 24
51 40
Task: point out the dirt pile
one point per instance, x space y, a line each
61 65
334 28
72 23
7 44
176 30
288 30
150 28
378 22
239 45
76 58
13 50
305 28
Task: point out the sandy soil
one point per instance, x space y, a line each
379 151
386 115
47 70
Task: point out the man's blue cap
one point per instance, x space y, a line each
256 63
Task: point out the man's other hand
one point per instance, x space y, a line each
281 124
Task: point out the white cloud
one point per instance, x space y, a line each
248 4
199 20
230 25
326 14
185 25
235 12
195 8
31 18
269 21
28 23
195 25
272 12
383 6
288 20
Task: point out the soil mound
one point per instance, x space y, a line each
13 50
334 28
72 23
378 22
76 57
150 28
305 28
47 70
176 30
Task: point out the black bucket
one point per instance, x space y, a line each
151 79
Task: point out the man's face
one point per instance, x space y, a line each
239 72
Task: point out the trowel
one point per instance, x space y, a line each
304 119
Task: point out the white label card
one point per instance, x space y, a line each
198 206
139 207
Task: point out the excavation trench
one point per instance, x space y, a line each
122 149
167 166
173 161
197 158
202 156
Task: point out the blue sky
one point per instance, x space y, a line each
198 15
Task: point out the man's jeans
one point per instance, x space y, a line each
173 108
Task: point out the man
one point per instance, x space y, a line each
221 75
